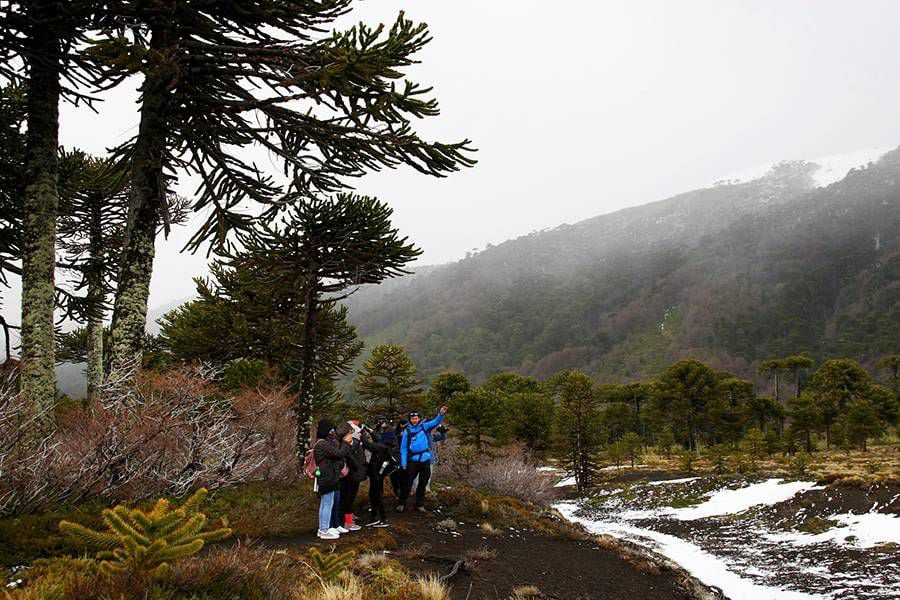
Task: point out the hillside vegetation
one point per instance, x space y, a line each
731 274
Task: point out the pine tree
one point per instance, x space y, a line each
445 387
683 392
836 383
330 566
143 544
388 378
245 312
220 79
92 217
578 429
324 250
480 414
39 48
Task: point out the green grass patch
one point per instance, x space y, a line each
686 501
815 525
262 509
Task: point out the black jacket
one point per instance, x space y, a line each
380 453
356 460
330 461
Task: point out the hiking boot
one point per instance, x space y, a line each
329 534
421 509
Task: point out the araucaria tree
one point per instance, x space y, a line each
683 392
92 216
37 43
578 426
223 77
388 378
326 248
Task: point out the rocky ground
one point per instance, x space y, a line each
545 555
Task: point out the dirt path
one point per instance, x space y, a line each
498 563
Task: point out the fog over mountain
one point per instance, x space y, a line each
776 259
799 256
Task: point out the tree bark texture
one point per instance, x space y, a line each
97 299
41 203
303 409
147 196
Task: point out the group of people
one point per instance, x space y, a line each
403 454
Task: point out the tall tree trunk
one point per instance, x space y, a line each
41 203
96 300
304 407
129 320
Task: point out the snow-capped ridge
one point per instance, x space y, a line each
831 168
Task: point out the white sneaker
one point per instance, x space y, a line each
340 529
329 534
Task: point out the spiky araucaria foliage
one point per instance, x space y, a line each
330 566
143 544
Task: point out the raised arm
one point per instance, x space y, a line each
329 451
429 425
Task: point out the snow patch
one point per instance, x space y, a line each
729 502
832 168
835 167
566 482
706 567
860 531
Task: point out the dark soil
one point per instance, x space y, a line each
559 567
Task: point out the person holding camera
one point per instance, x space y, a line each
416 457
381 464
329 452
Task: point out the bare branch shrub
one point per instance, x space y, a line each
148 434
510 473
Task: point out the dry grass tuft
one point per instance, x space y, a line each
646 567
525 592
431 587
488 529
371 560
348 587
414 551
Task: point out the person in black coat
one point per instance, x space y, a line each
356 461
330 454
380 464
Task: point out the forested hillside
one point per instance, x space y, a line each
731 274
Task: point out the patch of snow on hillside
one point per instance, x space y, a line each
730 502
832 168
706 567
835 167
862 531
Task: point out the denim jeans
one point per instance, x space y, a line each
326 503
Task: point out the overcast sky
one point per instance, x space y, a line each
584 107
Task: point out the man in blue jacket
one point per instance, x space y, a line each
416 456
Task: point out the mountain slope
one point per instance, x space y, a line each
731 274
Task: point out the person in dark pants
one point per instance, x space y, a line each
341 432
392 438
356 461
380 463
415 457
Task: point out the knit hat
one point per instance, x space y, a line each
323 429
